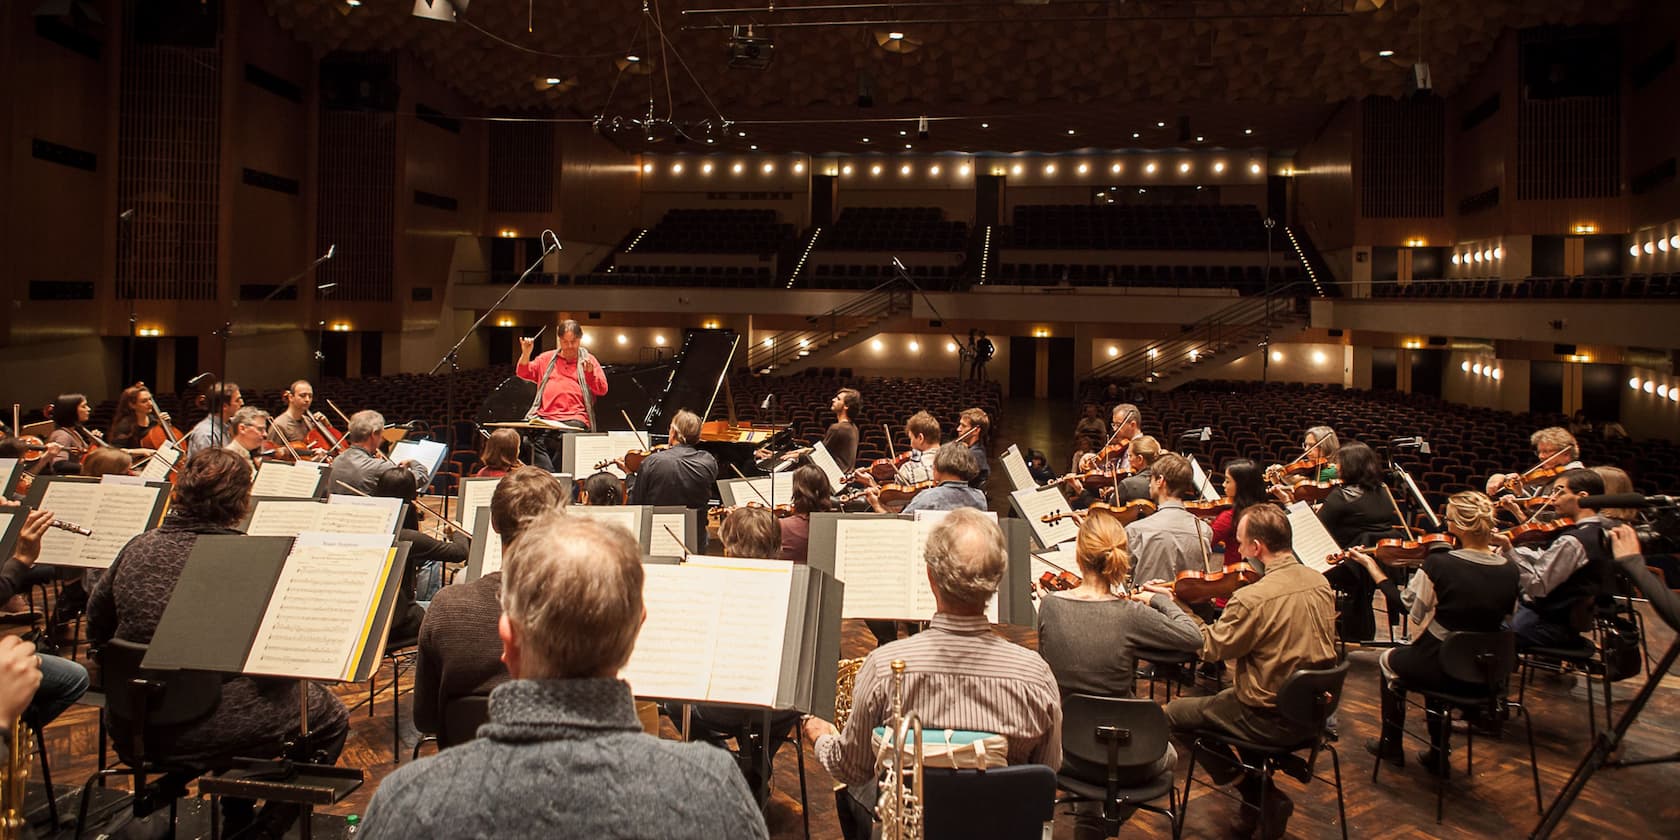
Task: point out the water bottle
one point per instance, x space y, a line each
351 823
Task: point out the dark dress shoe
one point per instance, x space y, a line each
1392 753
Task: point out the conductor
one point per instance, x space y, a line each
568 380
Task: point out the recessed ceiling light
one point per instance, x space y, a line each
1070 132
985 125
1248 131
1161 124
710 140
632 58
895 36
551 80
1136 135
740 134
754 147
1386 53
902 132
866 139
1200 138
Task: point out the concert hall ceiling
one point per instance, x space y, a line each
1042 75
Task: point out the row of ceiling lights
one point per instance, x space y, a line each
1479 255
1151 168
1650 386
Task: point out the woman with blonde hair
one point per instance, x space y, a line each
1616 481
1468 589
1092 636
500 455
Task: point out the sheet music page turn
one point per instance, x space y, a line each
1312 543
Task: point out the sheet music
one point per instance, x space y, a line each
591 449
157 469
1202 483
830 467
1035 504
1055 560
8 474
125 510
475 495
130 480
72 501
712 633
427 453
1312 543
317 620
361 515
921 593
870 558
626 518
663 545
287 479
781 487
284 517
1015 466
678 642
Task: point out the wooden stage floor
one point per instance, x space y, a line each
1496 802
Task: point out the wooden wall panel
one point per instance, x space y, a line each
1324 188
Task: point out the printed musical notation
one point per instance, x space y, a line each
712 634
287 480
1312 542
1039 502
115 512
316 622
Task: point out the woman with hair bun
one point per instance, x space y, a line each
1469 589
1092 636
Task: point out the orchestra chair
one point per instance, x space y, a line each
1309 697
1002 803
1169 666
149 699
1483 660
758 735
462 717
1588 656
1101 735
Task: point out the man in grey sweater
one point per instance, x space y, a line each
563 754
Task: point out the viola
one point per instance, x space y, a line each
1400 552
893 494
1195 587
1127 513
1063 582
1529 533
1311 491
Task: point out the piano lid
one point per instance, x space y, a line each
697 374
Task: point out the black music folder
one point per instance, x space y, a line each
753 633
879 557
279 607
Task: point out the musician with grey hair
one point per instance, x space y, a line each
360 465
953 468
563 754
679 475
247 430
958 673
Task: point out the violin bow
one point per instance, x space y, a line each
1396 508
750 485
631 425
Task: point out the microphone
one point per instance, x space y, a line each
126 215
330 250
768 399
1204 434
1627 500
1415 442
199 378
899 264
547 236
326 287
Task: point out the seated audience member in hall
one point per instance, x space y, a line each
1091 636
255 716
959 674
1270 629
564 754
460 652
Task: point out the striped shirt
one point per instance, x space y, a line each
958 675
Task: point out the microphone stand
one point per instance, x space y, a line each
1413 494
899 271
453 357
225 333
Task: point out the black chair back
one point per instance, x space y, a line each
136 698
1480 659
1006 803
1092 726
1310 696
462 717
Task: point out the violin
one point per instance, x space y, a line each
1537 476
1278 473
1127 513
883 470
1093 479
33 448
1536 532
631 461
1195 587
721 512
1208 509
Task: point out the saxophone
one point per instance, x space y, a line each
900 806
13 818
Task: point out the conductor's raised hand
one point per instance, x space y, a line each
526 344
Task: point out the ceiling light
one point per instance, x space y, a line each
1200 138
903 133
1136 135
705 169
934 169
1248 131
798 168
1633 251
1219 168
1662 245
1455 259
1184 167
1049 168
647 167
1254 169
1150 168
1634 383
1498 373
1017 169
907 145
866 139
875 170
1070 132
753 147
1464 366
1476 368
1674 241
736 168
676 169
1649 387
904 170
709 140
1662 391
1161 124
552 80
1385 53
632 58
985 125
1649 248
442 10
1498 253
1115 169
768 167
